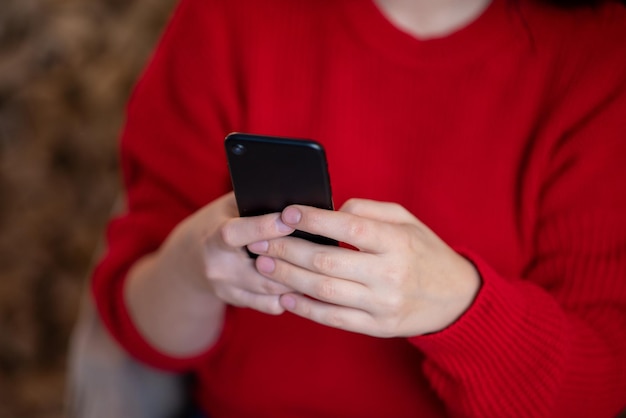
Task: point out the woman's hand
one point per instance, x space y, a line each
403 281
177 296
227 269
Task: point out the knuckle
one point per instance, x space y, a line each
326 289
335 320
323 262
386 329
388 318
391 304
266 287
221 268
351 205
262 228
393 277
356 230
226 295
404 235
213 272
415 238
278 248
227 234
271 288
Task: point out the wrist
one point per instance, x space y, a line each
160 296
466 285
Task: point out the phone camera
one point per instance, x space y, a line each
238 149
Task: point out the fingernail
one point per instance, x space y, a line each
265 264
259 247
280 225
291 216
288 302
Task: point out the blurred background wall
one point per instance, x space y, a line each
66 70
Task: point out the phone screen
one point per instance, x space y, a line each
269 173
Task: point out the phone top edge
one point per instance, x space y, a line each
241 136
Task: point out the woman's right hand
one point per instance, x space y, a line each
228 271
177 295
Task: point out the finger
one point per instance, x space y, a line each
269 304
363 233
325 260
347 319
381 211
236 270
328 289
263 285
239 232
251 280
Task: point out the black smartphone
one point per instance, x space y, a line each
269 173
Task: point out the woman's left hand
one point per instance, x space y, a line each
404 280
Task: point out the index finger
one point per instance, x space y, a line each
239 232
362 233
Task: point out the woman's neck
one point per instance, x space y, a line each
426 19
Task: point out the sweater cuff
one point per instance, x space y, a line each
509 323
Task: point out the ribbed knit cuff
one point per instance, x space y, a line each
499 346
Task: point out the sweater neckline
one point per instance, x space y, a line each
491 29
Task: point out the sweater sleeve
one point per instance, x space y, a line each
552 343
171 159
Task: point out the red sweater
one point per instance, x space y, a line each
507 138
